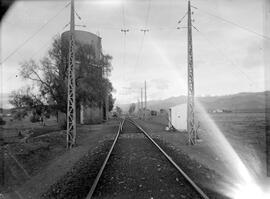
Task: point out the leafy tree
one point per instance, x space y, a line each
111 102
19 114
23 100
132 108
15 99
50 74
2 121
118 110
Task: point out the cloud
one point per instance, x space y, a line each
131 88
160 84
155 88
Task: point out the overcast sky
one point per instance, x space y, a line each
227 59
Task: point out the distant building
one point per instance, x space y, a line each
162 111
153 113
88 113
219 111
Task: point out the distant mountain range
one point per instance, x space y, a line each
235 102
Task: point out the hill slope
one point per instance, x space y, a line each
240 101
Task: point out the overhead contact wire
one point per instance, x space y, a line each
33 35
226 57
236 24
142 41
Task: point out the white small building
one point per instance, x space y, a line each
178 117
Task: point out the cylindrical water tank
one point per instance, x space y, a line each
84 37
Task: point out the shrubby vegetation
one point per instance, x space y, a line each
2 121
132 108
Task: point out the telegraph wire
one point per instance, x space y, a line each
47 43
148 13
144 30
218 49
225 56
140 50
123 14
80 18
124 30
35 33
38 51
237 25
229 60
124 47
169 29
180 21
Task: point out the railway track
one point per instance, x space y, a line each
137 167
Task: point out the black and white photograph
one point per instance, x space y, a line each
135 99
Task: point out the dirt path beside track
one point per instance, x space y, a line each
89 137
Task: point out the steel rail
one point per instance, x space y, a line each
92 190
204 196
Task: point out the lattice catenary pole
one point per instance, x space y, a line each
141 98
71 103
190 98
145 96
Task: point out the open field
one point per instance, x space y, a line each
245 131
37 157
242 129
226 139
28 148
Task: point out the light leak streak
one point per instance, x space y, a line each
169 67
241 184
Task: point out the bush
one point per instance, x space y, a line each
34 118
63 126
47 115
2 121
62 120
20 114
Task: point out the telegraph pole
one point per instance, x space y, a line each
2 160
142 98
145 97
190 98
71 103
138 105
